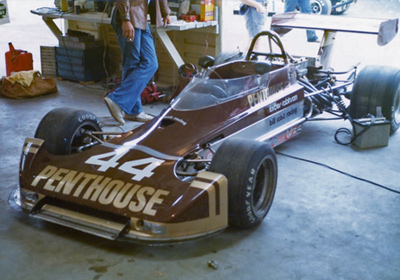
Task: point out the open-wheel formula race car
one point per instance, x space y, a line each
206 161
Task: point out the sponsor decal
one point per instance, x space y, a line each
285 136
100 189
283 115
284 103
3 11
260 97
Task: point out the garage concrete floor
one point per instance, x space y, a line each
322 224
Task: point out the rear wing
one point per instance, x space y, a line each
386 29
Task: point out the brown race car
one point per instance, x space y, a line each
207 161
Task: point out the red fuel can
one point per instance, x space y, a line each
18 60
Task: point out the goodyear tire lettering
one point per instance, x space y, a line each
248 202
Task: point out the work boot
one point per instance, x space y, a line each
115 111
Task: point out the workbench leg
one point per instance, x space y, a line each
169 46
53 27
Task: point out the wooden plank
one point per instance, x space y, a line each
199 40
53 27
96 17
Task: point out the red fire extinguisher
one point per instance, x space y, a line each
18 60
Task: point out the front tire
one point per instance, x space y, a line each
377 86
251 170
64 130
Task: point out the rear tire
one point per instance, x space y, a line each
251 170
377 86
321 7
63 130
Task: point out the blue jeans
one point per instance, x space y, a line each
255 21
139 64
304 5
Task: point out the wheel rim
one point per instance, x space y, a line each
262 191
316 8
80 139
396 107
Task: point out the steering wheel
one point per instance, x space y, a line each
218 92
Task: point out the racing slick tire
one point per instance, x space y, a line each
252 172
377 86
63 130
321 7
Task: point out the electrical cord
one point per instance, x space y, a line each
339 171
105 53
356 135
327 99
324 99
348 132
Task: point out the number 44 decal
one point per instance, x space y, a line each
110 160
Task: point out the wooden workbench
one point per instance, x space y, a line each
176 44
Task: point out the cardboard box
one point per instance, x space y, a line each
206 10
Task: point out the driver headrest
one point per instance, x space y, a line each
262 67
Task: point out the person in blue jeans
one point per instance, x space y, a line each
139 59
304 5
255 15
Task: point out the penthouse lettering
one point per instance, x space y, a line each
101 189
262 96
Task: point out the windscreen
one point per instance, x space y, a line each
203 92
